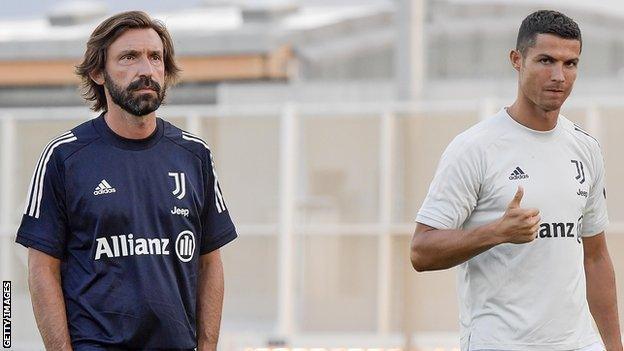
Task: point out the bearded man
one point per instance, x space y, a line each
124 216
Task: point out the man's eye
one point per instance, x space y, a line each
156 57
545 60
127 57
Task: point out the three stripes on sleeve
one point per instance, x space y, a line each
217 189
35 190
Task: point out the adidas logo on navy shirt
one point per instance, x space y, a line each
518 173
104 188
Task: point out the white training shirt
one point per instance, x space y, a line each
522 296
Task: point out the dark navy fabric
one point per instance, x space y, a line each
129 220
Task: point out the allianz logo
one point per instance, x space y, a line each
117 246
561 230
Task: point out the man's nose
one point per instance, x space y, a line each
557 74
144 67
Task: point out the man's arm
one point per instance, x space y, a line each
601 294
433 249
44 281
209 300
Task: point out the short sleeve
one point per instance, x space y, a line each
217 226
453 193
44 222
595 217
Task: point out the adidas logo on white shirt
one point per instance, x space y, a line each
518 173
104 188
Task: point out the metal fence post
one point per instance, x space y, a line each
289 142
384 279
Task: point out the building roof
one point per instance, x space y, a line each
606 7
204 30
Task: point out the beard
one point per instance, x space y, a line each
137 104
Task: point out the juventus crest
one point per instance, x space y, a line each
180 184
580 172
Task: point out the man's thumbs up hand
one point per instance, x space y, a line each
518 225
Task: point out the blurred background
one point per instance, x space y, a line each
327 119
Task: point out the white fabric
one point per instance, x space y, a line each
593 347
529 296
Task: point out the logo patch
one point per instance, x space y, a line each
579 228
580 171
518 173
180 211
185 246
104 188
180 184
128 245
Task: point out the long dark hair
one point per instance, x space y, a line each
107 32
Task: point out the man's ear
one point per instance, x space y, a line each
515 57
97 77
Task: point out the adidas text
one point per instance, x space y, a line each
104 188
104 191
518 173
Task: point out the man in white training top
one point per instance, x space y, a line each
518 203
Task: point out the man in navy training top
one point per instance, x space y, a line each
124 216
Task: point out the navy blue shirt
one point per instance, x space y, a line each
128 219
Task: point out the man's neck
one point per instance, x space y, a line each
130 126
532 116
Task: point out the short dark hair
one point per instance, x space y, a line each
546 22
103 36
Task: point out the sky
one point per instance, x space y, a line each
24 9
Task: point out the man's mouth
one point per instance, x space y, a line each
146 89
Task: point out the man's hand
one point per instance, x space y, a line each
518 225
434 249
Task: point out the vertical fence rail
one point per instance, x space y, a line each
384 278
487 108
289 146
593 121
193 124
